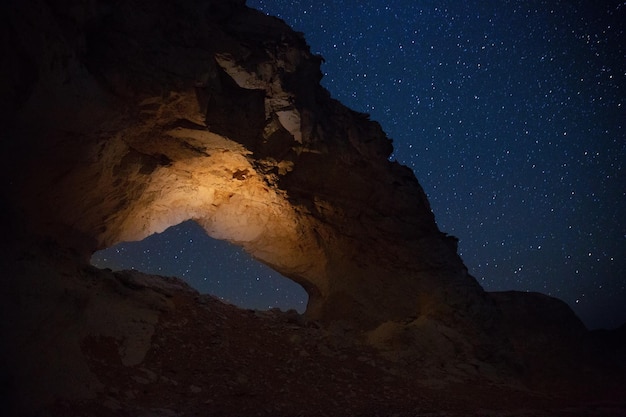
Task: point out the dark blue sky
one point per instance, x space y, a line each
510 113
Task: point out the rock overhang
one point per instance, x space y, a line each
224 121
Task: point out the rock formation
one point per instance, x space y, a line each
138 119
126 117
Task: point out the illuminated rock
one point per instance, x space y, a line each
150 118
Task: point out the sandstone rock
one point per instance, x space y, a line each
136 119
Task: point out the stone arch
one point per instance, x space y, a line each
214 184
353 229
233 130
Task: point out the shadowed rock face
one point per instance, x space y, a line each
126 117
137 117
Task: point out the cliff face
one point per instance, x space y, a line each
126 117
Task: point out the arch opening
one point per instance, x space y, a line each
209 265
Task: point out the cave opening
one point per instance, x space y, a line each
209 265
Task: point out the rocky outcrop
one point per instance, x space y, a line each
123 118
138 118
555 349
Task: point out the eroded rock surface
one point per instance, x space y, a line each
123 118
138 118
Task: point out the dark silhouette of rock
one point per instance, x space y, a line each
123 118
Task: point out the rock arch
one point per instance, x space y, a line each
216 186
228 125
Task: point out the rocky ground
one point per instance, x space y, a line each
209 358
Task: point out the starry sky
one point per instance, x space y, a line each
511 114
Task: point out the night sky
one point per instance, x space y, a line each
510 113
